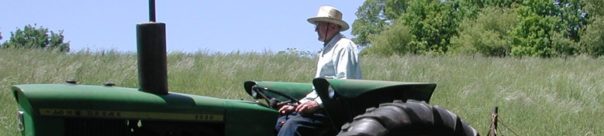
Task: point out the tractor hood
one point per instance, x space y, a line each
62 99
49 98
43 106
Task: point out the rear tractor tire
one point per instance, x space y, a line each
407 118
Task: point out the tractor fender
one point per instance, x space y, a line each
353 88
343 99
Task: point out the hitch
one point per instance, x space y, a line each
493 127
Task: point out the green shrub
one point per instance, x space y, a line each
487 34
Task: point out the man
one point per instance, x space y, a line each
337 60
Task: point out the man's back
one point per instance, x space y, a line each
339 60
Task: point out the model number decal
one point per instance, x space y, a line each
133 115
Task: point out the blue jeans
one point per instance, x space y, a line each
295 124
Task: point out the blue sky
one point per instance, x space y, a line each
219 25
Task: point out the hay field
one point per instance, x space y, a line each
536 96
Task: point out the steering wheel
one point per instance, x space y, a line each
258 91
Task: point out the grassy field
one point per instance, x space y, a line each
536 96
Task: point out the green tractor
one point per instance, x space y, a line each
357 107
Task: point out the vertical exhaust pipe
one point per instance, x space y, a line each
151 49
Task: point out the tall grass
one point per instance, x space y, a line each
558 96
536 96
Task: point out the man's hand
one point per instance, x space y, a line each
288 108
307 107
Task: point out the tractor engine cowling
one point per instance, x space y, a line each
76 110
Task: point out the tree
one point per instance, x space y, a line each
369 21
392 41
37 37
522 28
592 40
592 36
572 18
433 23
543 29
394 9
373 16
594 7
488 34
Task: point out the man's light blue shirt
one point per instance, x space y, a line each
337 60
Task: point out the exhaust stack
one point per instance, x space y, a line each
151 49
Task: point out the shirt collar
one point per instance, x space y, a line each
334 40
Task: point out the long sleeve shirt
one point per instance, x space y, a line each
337 60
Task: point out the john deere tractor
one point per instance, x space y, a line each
355 107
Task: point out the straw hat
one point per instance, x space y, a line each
331 15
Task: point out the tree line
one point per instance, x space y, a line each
34 37
543 28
